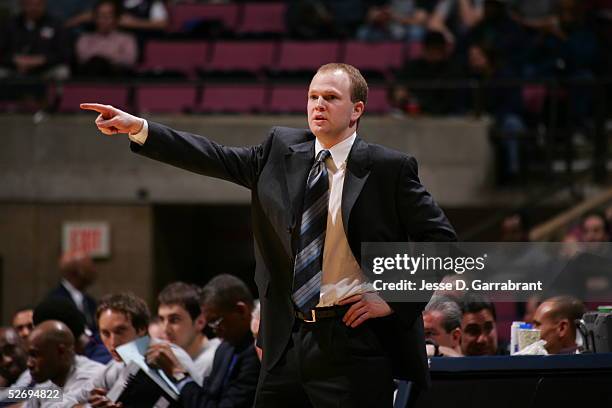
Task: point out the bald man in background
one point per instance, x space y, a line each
78 273
53 363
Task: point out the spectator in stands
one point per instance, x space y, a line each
106 51
454 18
479 328
556 318
183 324
12 358
514 228
442 319
594 227
52 362
78 273
23 323
34 44
503 103
122 318
139 16
227 305
435 65
317 19
63 310
395 20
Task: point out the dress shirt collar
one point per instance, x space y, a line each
76 294
340 151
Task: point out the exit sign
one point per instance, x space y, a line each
90 237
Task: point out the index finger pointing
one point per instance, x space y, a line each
105 110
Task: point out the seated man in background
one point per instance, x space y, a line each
23 323
53 363
34 44
227 305
479 328
442 320
556 318
106 51
183 324
122 318
78 273
12 361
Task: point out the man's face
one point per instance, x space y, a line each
594 230
551 329
330 109
105 18
44 359
478 334
178 326
23 323
116 329
229 325
434 330
12 355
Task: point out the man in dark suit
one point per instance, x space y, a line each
328 339
78 273
227 305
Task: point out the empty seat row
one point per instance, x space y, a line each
208 98
248 18
190 57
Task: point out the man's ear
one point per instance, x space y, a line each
358 109
563 327
456 335
200 322
243 310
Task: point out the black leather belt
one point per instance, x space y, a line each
319 313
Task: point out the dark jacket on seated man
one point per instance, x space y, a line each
232 381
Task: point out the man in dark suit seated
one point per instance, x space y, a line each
78 273
226 305
317 195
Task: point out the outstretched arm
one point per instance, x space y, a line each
240 165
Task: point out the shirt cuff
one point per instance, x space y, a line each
140 137
181 384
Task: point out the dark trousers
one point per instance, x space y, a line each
328 364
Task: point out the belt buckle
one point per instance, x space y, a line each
314 317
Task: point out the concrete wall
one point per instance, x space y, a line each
30 236
65 158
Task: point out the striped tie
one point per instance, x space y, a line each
309 259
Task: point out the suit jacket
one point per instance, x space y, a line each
230 384
382 201
88 302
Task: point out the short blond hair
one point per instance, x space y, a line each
358 84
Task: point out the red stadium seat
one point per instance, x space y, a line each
74 94
233 98
377 100
376 57
175 56
258 18
167 98
288 99
184 14
250 57
306 56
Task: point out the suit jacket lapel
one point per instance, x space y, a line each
298 161
357 172
221 369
